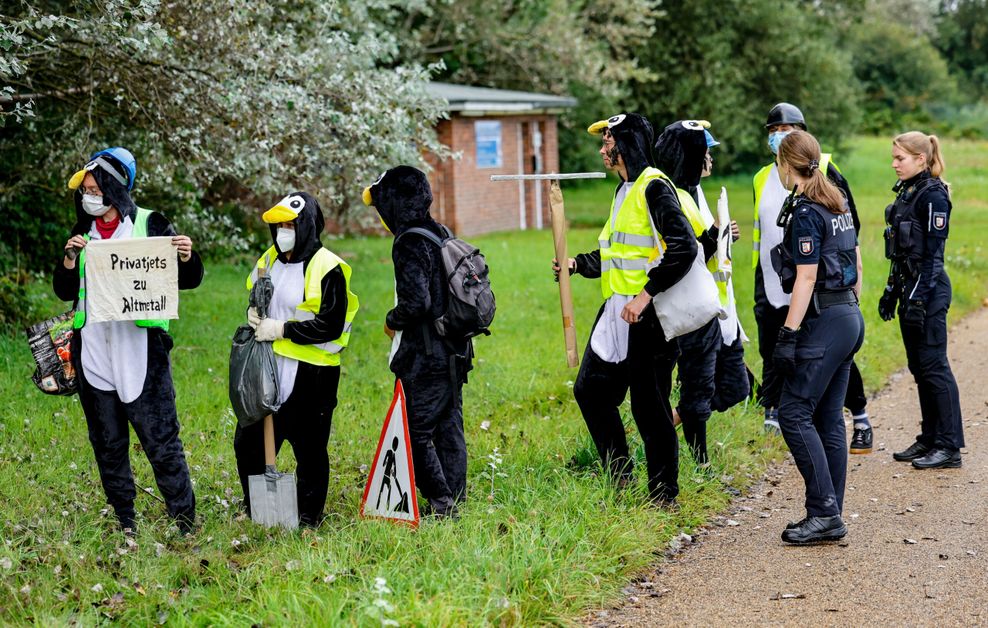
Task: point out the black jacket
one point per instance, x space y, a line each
402 197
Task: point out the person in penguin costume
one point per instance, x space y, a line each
123 367
681 152
309 321
432 368
627 348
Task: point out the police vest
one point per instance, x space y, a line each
140 231
627 242
837 269
325 353
761 179
905 235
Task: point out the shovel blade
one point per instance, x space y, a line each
273 500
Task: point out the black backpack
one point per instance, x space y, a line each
471 305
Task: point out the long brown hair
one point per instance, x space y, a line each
917 143
800 151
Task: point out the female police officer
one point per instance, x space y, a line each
918 284
819 264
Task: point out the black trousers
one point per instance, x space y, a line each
732 383
698 351
601 387
811 405
770 320
435 426
926 355
304 420
155 421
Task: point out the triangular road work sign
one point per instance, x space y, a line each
390 490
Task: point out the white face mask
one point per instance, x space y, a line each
93 205
285 239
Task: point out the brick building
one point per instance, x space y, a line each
495 132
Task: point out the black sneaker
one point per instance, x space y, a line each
916 450
815 530
939 459
861 441
796 524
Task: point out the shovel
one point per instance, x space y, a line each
273 496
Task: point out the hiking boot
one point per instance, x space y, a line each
916 450
815 530
861 441
939 459
796 524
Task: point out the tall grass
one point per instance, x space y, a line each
551 539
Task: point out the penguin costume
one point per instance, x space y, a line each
123 367
309 321
627 348
432 368
710 371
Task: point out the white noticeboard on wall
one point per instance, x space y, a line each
131 279
487 136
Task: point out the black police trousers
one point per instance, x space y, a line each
811 405
304 420
600 390
155 422
698 352
926 355
770 320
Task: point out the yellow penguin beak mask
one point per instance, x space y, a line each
366 197
287 210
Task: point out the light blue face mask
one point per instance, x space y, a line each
775 139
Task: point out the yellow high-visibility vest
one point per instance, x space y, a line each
326 353
627 243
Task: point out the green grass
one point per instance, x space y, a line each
549 541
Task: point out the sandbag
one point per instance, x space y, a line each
50 343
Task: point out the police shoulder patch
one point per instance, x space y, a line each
806 245
939 220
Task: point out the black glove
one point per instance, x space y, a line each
784 356
887 304
914 315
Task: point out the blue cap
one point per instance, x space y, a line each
711 142
123 157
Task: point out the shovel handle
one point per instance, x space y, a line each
269 456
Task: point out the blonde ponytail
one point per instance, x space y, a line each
917 143
800 151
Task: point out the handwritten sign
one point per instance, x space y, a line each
131 279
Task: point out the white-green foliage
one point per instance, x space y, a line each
270 95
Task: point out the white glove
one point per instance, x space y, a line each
269 330
252 317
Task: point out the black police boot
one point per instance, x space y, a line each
815 530
861 441
939 459
916 450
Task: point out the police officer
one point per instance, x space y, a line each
819 265
771 302
918 286
627 350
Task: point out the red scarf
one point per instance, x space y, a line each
106 229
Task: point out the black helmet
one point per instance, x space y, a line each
784 113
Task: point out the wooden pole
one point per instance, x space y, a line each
558 215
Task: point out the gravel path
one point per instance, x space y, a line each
917 546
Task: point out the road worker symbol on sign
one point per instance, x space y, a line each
391 484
